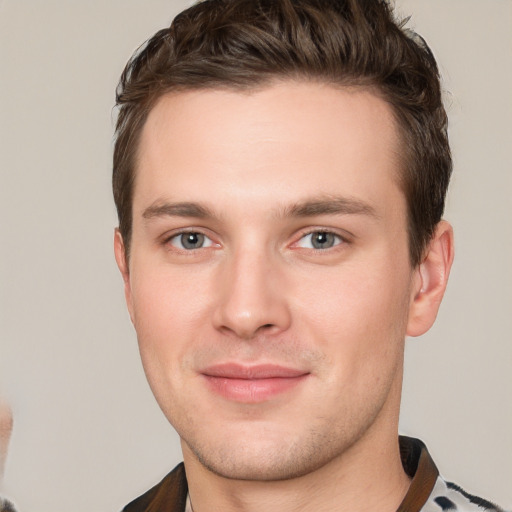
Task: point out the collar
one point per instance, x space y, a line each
420 467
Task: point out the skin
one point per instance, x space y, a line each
260 174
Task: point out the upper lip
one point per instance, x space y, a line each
252 372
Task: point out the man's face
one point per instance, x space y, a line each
269 278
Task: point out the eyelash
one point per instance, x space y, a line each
339 240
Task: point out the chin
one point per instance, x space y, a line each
280 458
261 468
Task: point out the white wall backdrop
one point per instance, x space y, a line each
88 435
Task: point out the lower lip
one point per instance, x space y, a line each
252 390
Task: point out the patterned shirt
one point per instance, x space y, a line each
450 497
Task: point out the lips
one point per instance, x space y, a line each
252 384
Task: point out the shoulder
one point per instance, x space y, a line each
447 496
170 494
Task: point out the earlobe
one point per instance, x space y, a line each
430 281
122 264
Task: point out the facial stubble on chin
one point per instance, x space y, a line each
316 448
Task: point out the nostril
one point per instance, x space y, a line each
266 328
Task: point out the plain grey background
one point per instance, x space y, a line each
88 434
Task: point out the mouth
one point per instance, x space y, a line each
252 384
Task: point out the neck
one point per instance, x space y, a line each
329 489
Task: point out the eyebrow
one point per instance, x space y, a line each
308 208
185 209
330 206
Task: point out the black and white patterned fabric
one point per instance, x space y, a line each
449 497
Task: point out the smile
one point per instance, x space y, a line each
251 384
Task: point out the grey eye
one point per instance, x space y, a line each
320 240
190 241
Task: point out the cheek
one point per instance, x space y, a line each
169 311
358 312
165 301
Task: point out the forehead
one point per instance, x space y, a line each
271 142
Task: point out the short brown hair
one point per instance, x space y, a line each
244 44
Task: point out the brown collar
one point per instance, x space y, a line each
170 495
420 467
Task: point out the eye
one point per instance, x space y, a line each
320 240
190 240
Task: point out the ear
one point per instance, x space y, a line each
430 280
122 264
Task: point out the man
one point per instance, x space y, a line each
280 171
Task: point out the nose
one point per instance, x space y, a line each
252 298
